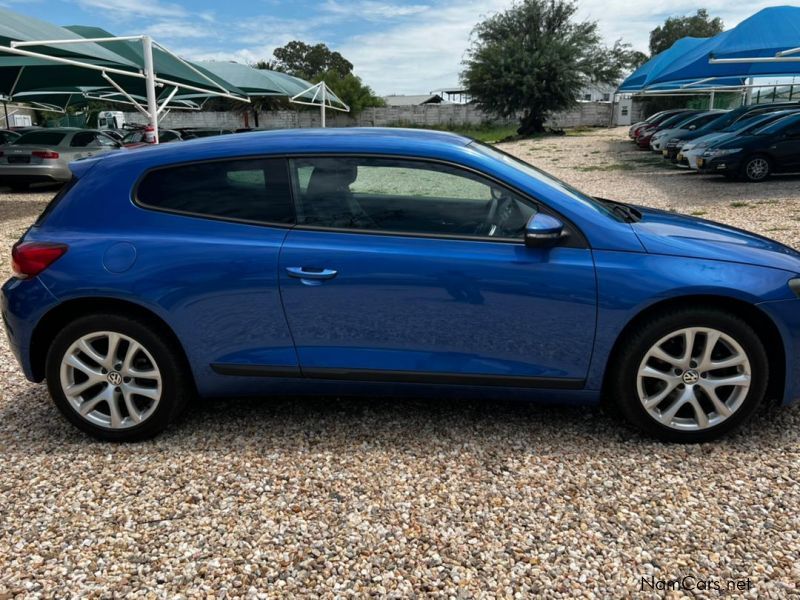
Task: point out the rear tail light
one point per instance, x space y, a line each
45 154
28 259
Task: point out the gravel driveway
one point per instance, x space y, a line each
344 497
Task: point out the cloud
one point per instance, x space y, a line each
422 55
180 30
372 10
122 10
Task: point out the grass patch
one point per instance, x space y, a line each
698 213
739 204
578 131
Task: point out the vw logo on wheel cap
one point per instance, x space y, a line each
114 378
690 377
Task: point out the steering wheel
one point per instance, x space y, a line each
502 209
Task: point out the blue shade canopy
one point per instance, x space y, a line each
767 32
645 74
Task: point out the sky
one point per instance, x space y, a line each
396 47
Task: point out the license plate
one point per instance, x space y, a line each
19 160
700 162
680 156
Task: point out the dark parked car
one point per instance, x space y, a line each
389 261
774 148
724 121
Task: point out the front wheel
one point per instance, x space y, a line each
756 168
116 378
691 375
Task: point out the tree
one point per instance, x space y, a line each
534 59
623 54
674 28
350 90
306 61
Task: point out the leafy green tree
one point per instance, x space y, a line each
623 54
306 61
533 59
350 90
675 28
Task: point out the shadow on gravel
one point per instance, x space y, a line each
30 423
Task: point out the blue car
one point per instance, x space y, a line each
389 261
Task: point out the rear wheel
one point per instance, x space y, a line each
691 375
756 168
116 378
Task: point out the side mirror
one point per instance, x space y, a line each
692 127
543 231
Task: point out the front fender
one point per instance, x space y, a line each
624 292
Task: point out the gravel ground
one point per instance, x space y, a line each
348 497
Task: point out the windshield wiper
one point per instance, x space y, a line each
628 213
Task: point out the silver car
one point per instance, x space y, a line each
43 155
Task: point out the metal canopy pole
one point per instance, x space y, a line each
711 101
5 109
322 105
150 83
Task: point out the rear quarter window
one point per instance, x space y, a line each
253 190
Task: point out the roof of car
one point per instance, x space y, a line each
296 141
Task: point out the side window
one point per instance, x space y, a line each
405 196
252 190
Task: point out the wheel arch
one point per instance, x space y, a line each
765 328
52 322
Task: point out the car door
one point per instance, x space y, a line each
403 269
208 253
786 148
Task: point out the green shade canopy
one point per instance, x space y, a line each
21 73
22 28
167 66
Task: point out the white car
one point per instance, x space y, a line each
693 149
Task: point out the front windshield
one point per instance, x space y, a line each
531 171
777 126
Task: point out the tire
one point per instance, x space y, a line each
665 336
156 365
756 168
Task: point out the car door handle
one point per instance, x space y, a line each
311 273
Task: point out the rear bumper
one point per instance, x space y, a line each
23 303
34 173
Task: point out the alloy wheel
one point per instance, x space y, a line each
111 380
693 378
757 169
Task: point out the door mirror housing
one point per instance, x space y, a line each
543 231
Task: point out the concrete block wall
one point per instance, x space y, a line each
586 114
